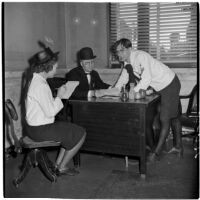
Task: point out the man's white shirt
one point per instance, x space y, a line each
151 71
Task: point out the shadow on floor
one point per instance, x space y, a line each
105 176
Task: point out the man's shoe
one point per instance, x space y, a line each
178 151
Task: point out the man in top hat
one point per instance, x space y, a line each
89 79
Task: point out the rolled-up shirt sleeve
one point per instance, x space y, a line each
146 75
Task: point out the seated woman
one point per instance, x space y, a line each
41 108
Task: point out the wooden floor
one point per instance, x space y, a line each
105 176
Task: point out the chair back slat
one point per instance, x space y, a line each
11 109
11 114
192 105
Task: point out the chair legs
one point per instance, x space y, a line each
36 157
25 169
44 162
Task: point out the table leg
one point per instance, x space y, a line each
126 161
143 167
143 176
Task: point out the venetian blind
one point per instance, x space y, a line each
168 31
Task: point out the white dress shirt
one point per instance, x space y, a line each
88 78
151 71
41 107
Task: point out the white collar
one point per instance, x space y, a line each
38 76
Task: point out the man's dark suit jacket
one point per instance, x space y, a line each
81 91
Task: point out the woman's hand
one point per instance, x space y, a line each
61 91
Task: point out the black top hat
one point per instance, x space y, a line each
86 53
43 57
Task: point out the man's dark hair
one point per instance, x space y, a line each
124 42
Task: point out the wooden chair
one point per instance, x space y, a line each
35 154
190 119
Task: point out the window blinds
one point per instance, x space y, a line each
168 31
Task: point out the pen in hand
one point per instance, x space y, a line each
61 91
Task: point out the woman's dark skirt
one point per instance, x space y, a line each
67 133
170 100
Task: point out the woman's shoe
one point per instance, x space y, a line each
67 171
178 151
53 168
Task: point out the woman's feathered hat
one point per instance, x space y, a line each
44 56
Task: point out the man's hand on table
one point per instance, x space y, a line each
110 91
91 93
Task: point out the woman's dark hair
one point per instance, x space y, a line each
42 61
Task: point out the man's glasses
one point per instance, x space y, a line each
121 50
91 62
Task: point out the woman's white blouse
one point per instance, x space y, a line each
41 106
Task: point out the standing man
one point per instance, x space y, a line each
163 80
89 79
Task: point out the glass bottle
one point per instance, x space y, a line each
132 92
124 94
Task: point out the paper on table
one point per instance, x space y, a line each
110 97
70 87
113 93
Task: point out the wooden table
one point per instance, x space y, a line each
116 127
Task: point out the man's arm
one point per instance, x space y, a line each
145 63
81 91
122 79
99 84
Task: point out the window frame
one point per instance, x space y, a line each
173 64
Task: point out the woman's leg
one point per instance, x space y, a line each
60 156
69 154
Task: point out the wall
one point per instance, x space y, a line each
70 26
25 24
86 25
